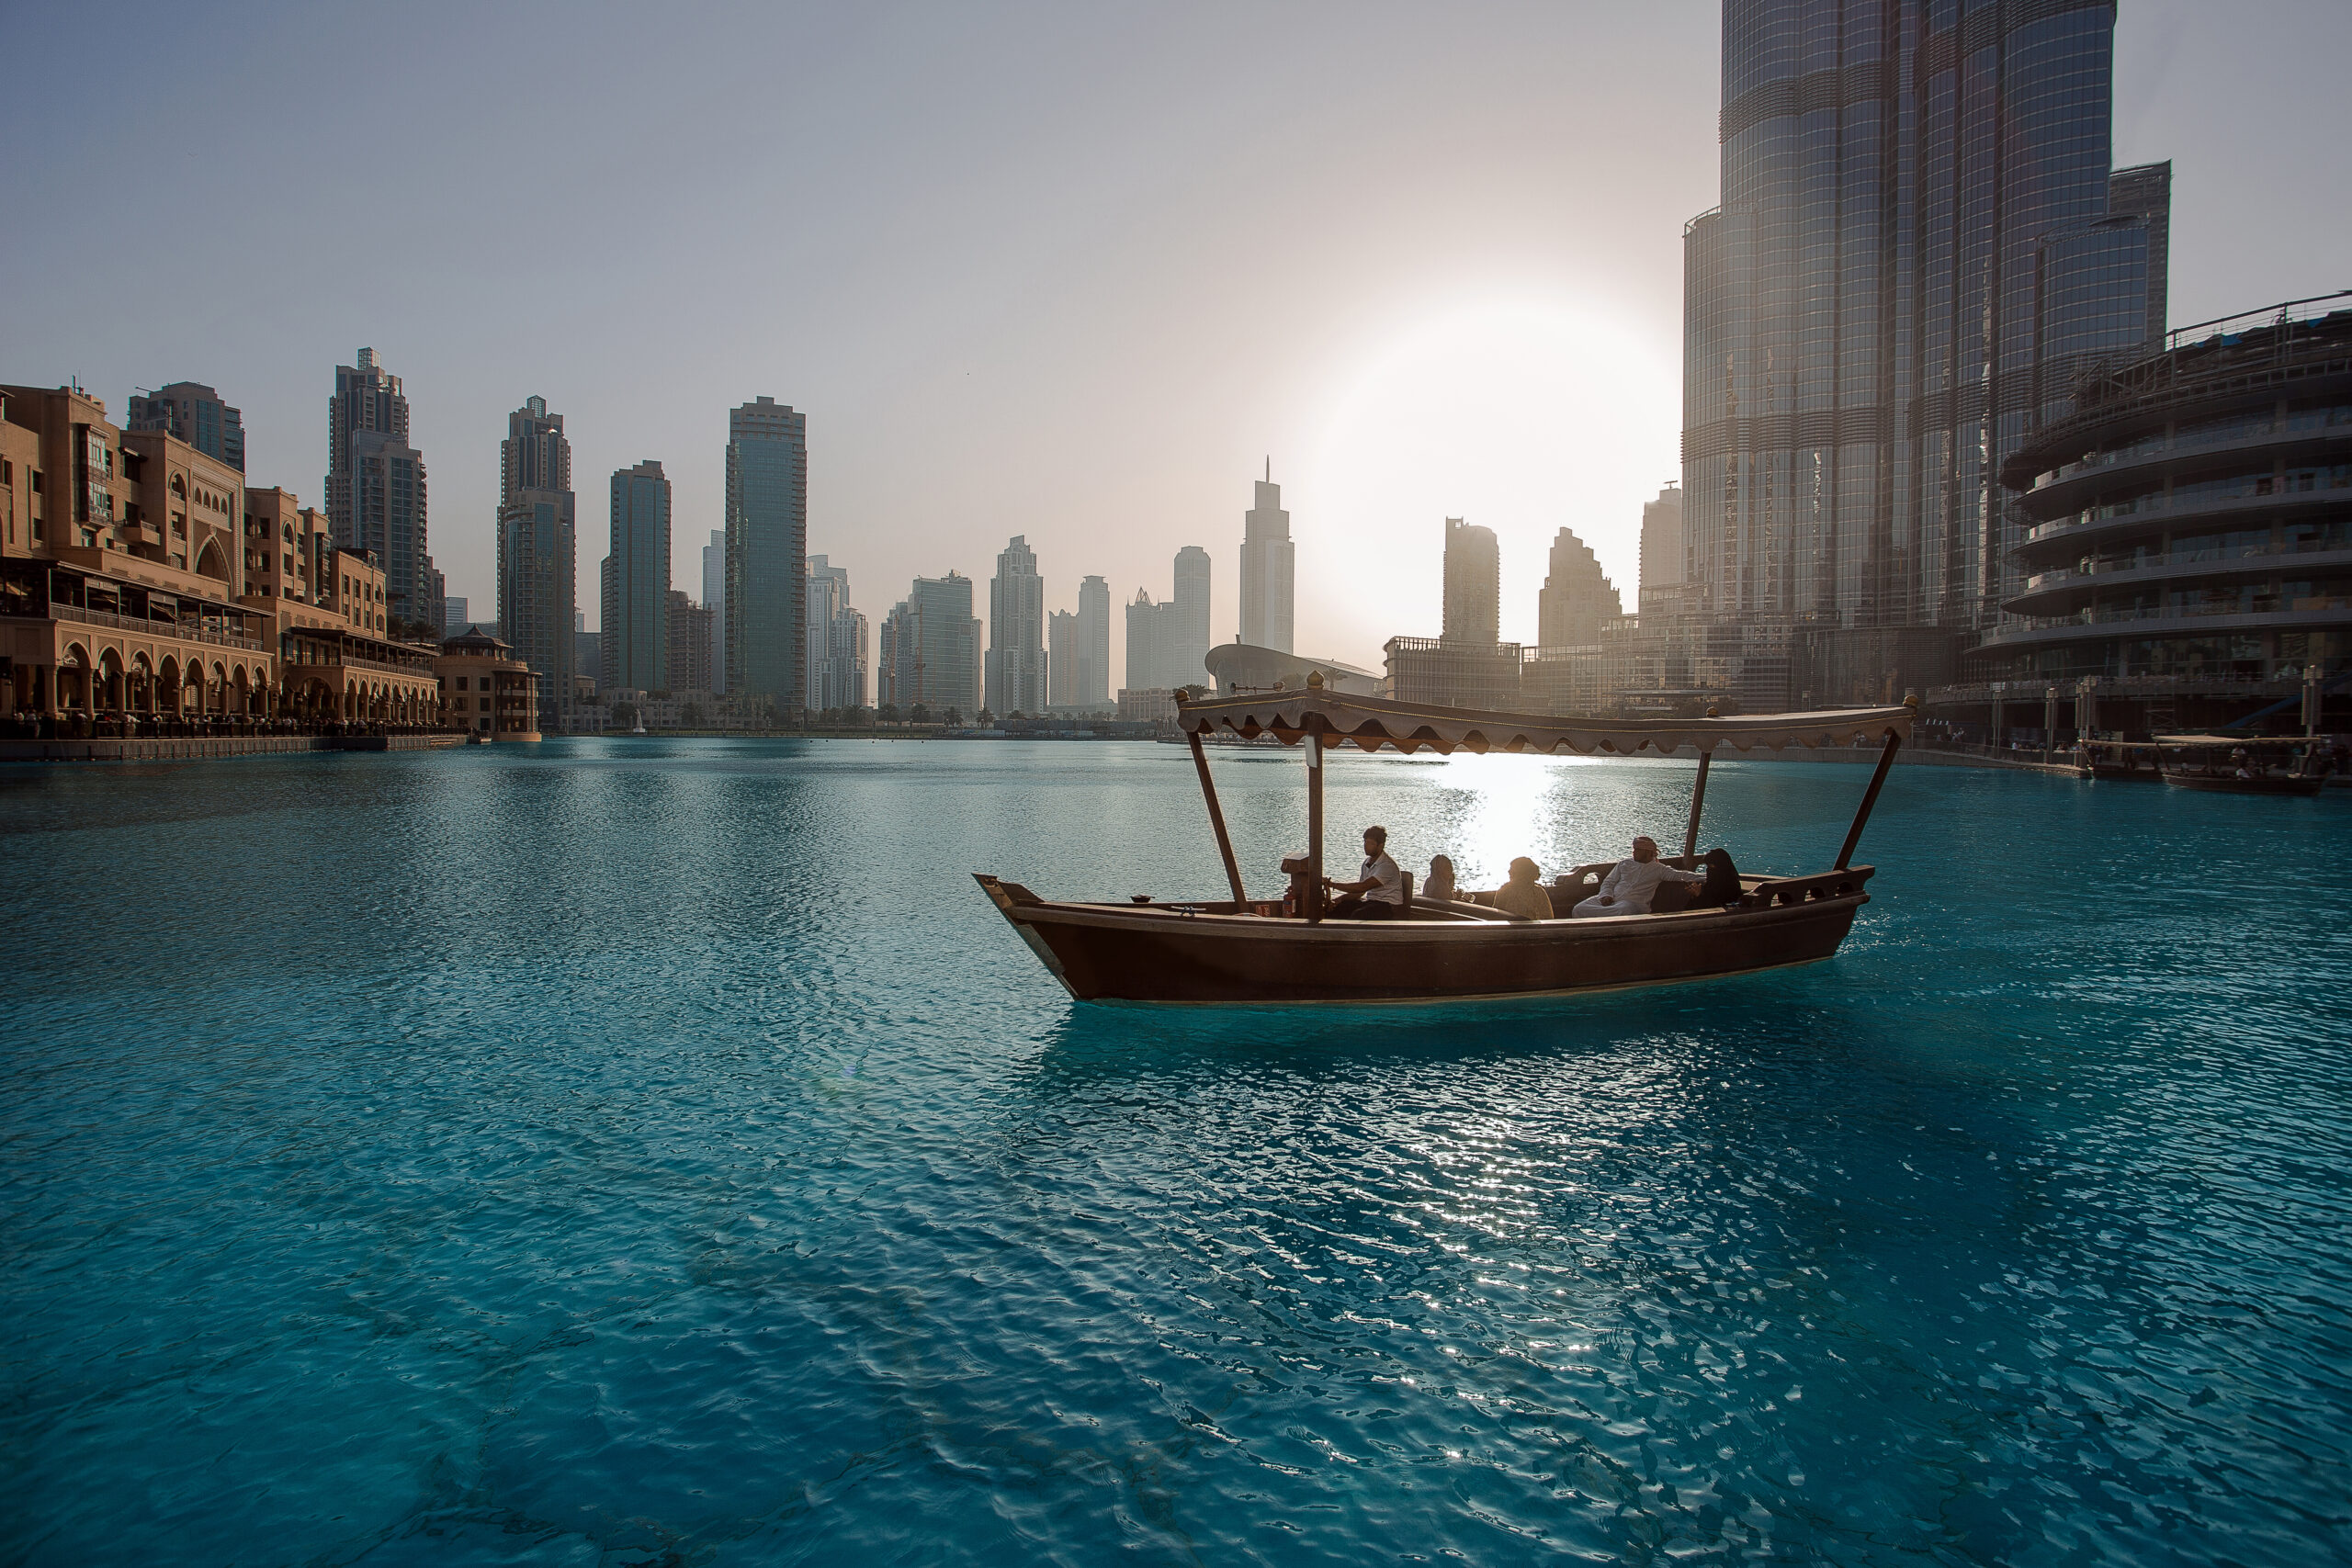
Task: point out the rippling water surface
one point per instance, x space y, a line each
627 1152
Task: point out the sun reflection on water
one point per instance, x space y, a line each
1484 811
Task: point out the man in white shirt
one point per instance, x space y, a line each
1633 883
1378 892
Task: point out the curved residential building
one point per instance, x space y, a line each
2189 529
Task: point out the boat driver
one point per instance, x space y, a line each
1378 892
1633 883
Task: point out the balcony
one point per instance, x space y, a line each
2155 514
2086 626
179 630
340 659
2026 694
2066 489
2046 589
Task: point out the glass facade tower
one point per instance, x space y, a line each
537 549
636 582
1474 584
1920 247
767 551
1269 565
1093 637
1015 672
376 486
194 413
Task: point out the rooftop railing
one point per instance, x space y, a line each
2222 330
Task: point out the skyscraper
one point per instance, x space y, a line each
686 645
1268 563
1094 641
836 654
1577 597
714 598
1920 245
1665 559
935 647
1147 643
636 582
376 489
194 413
1189 638
767 551
846 657
587 655
1016 662
1474 584
536 455
537 549
897 633
1167 643
1061 659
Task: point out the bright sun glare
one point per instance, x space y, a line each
1524 415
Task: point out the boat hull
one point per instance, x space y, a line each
2297 785
1163 954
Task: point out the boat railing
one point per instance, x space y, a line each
1787 890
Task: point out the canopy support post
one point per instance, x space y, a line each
1870 798
1314 910
1698 799
1216 821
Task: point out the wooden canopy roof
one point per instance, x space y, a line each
2231 742
1370 723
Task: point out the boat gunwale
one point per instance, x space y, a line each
1247 927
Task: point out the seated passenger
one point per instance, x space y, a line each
1633 883
1440 883
1378 892
1522 895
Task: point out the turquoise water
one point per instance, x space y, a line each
632 1152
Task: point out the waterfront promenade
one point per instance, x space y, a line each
657 1150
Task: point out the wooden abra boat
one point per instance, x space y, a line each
2121 761
2244 764
1241 950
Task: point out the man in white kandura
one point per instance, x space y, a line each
1631 884
1378 891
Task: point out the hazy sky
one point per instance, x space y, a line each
1074 272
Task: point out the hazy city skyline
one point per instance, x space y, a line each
997 271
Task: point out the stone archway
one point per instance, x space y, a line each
110 694
143 684
167 686
73 678
212 563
